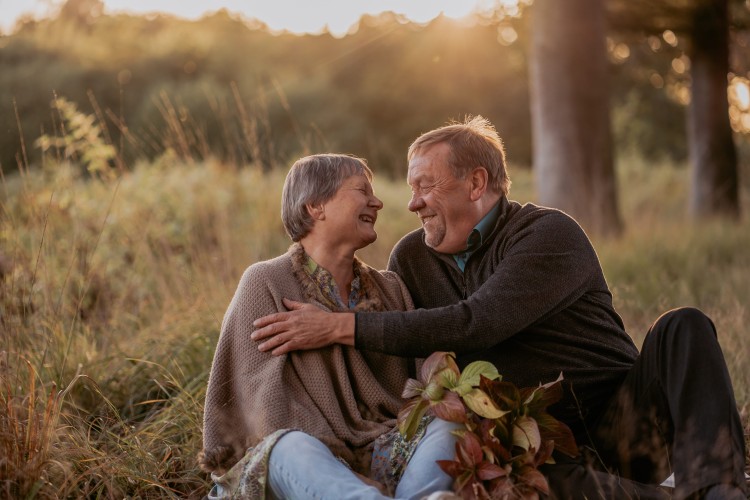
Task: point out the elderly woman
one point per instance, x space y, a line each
306 424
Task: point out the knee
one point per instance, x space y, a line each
684 315
439 435
684 324
294 441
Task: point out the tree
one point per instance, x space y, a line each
713 158
572 144
705 24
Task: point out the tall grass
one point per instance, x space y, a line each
112 294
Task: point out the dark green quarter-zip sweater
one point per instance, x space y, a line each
532 300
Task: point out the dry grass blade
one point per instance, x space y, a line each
27 431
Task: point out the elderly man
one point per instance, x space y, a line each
521 286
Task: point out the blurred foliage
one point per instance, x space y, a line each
225 87
80 140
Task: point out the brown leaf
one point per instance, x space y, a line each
536 479
493 446
436 362
544 454
504 394
487 471
450 408
412 388
450 467
552 429
526 434
539 398
469 449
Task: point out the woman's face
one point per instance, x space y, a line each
351 214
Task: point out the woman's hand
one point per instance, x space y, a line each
303 327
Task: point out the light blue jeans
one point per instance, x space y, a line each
301 467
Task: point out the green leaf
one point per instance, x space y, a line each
474 370
434 391
448 378
410 417
480 403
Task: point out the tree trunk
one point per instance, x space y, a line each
572 143
713 158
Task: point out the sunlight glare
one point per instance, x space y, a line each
654 43
742 93
506 35
738 94
295 16
678 65
670 37
656 80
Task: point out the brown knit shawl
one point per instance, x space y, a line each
344 397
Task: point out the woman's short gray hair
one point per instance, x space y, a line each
313 180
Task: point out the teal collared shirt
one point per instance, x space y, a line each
480 232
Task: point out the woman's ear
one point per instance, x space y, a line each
479 181
317 212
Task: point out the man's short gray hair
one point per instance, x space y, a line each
473 143
313 180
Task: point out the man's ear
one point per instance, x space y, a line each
317 212
479 178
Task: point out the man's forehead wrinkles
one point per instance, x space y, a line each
418 176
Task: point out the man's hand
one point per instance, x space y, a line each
303 327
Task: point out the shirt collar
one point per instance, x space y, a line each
480 233
485 226
328 287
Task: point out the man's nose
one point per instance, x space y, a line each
416 203
376 202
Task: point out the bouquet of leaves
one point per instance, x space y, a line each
508 433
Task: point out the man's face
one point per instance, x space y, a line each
441 201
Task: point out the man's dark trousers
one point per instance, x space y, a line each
675 412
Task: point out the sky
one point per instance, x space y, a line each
298 16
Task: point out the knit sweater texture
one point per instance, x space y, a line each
532 300
344 397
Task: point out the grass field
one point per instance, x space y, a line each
112 294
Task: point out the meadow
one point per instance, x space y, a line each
112 291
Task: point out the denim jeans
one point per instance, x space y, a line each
302 467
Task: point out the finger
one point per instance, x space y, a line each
284 348
267 331
270 319
293 304
272 343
